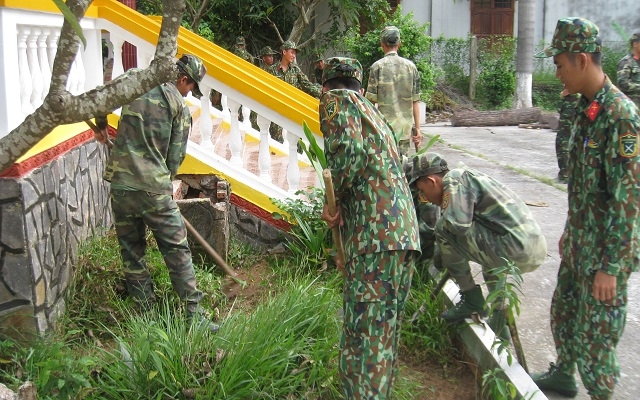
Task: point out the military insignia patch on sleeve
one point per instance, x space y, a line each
628 145
445 201
330 109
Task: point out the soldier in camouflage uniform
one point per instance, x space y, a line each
267 59
629 71
599 246
394 84
290 72
567 113
318 66
240 49
482 221
149 147
380 230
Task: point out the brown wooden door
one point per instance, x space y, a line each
492 18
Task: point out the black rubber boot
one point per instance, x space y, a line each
472 301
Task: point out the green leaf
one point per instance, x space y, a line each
71 19
313 145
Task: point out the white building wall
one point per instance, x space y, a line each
448 18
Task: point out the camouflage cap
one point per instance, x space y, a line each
390 35
635 37
289 44
268 51
573 35
424 165
335 67
240 40
196 70
318 58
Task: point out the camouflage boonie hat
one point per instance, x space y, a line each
635 37
268 51
336 67
318 58
289 44
390 35
196 70
423 165
240 40
573 35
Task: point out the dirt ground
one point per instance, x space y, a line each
435 381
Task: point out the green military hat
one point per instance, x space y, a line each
268 51
390 35
335 67
240 40
635 37
318 58
424 165
573 35
196 70
289 44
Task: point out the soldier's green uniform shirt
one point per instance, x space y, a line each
242 53
629 77
148 150
603 223
295 77
394 83
376 202
473 197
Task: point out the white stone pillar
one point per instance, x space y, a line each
293 170
235 137
264 153
43 60
206 124
26 86
34 67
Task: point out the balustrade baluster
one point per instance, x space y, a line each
26 86
246 113
72 81
224 101
43 60
116 43
34 67
235 137
80 73
264 153
293 169
206 125
52 46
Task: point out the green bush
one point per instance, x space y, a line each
497 78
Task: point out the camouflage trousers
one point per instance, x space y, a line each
375 291
133 211
489 249
586 331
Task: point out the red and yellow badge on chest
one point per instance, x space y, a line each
629 145
593 110
445 201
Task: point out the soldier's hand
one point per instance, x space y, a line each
332 220
604 286
416 136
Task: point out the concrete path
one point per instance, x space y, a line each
510 154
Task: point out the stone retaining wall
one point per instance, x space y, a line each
44 216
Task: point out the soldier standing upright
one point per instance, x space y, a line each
629 71
380 230
290 72
599 245
267 57
394 83
240 49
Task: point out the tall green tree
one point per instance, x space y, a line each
61 107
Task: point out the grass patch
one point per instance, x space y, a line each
281 343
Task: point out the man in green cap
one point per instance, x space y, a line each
599 246
240 49
318 66
394 84
629 70
148 149
482 221
379 230
267 59
290 72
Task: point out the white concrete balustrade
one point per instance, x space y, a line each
29 43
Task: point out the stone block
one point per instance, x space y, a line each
19 324
10 188
12 228
16 273
211 221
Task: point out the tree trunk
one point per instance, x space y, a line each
496 118
524 58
